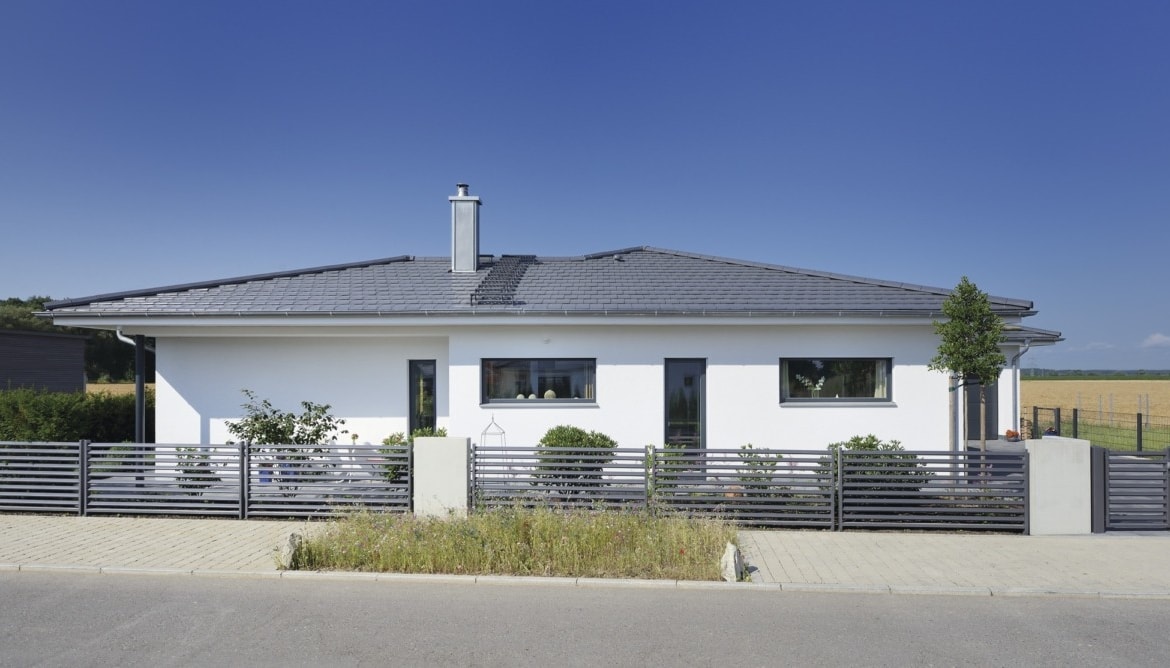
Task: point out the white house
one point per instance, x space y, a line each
644 344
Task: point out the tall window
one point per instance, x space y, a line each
537 379
422 395
840 379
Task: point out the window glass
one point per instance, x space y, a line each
852 379
525 379
422 395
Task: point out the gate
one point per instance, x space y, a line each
1136 490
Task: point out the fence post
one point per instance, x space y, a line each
245 461
1139 432
1097 463
650 486
1056 420
838 492
1166 488
83 476
1076 421
1035 422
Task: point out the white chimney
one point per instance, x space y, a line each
464 230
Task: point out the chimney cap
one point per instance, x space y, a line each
462 187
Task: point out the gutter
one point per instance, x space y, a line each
129 341
1016 385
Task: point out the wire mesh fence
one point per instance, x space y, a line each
1116 431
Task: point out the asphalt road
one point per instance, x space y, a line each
76 619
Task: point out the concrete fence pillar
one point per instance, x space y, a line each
441 468
1060 486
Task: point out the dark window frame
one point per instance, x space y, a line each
543 374
791 392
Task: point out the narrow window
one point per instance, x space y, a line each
422 395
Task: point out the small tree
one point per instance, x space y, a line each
969 346
265 424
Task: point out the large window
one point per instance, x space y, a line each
840 379
537 379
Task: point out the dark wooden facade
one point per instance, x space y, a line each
42 360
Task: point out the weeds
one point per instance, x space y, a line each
515 541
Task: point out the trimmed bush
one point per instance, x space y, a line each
892 470
39 416
577 458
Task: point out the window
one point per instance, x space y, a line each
422 395
543 379
841 379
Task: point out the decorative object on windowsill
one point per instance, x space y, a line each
814 387
520 396
532 396
549 394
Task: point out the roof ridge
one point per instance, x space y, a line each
183 287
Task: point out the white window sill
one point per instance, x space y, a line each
539 403
838 404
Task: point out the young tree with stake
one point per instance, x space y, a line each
969 346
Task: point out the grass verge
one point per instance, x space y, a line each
515 541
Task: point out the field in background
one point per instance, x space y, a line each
113 388
1118 396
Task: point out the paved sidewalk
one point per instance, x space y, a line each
1121 565
981 564
141 543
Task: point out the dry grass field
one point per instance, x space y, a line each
113 388
1122 396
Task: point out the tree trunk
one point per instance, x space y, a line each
982 426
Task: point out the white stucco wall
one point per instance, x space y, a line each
363 375
364 379
742 390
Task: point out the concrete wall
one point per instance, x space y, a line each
363 375
1059 486
441 476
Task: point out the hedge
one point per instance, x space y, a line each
38 415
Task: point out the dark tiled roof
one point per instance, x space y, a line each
631 281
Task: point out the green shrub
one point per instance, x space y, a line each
265 424
665 465
891 470
757 471
577 458
39 416
394 444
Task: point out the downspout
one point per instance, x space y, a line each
140 348
1016 386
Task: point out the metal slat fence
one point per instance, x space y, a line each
780 488
753 487
565 477
139 479
311 480
1137 491
932 490
205 480
40 477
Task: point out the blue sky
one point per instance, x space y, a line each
1023 144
